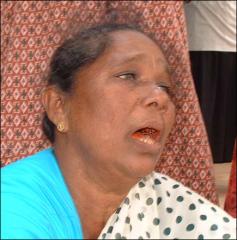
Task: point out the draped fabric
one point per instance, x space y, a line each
32 30
160 208
231 201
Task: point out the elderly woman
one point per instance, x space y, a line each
108 113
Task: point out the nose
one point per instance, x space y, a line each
156 99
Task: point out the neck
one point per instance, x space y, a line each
96 193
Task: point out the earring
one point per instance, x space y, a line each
60 127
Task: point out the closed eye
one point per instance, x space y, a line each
127 76
164 88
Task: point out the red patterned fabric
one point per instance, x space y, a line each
230 201
31 30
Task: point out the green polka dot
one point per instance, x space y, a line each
169 210
164 178
190 227
213 209
141 184
175 186
149 201
159 199
126 201
214 227
130 227
167 231
201 201
226 219
118 236
203 217
156 221
157 181
140 237
180 199
188 192
179 219
118 210
167 193
192 206
137 196
140 216
103 236
127 220
200 237
110 229
226 236
148 235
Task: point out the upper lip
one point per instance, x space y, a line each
149 124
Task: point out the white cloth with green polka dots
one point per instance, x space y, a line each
159 207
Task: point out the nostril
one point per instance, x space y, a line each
155 99
164 108
159 105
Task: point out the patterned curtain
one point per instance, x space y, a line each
32 30
230 205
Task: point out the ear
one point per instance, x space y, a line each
54 101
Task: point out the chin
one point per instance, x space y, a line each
142 166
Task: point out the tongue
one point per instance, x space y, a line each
138 135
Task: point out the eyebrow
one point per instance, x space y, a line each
167 68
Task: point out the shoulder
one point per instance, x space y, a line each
24 188
25 173
34 162
29 174
35 200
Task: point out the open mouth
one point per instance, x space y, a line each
147 135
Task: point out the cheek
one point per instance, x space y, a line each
170 116
99 113
113 104
173 113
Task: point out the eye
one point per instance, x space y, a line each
164 88
127 76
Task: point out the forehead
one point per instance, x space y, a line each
125 48
128 45
128 37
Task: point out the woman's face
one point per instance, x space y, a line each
120 112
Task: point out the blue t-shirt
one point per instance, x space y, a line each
35 200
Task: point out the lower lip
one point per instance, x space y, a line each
153 148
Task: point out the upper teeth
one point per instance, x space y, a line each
147 139
149 130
